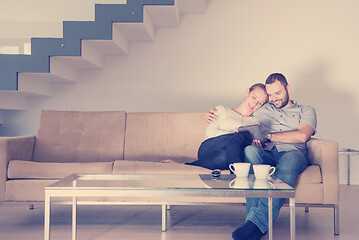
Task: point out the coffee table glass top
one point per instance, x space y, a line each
167 181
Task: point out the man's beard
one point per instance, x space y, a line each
285 102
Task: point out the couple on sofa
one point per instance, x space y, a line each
285 126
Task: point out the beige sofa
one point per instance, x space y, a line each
118 142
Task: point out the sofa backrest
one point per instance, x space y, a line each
73 136
156 136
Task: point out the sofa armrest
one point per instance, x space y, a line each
325 154
13 148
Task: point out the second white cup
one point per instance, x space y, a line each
262 171
240 169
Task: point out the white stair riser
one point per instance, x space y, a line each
33 84
13 100
119 45
163 16
61 68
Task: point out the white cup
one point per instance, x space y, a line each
240 169
239 182
262 171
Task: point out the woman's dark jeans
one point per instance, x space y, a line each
219 152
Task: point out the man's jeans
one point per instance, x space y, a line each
289 164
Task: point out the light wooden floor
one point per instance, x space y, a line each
17 222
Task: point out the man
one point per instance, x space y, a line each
287 127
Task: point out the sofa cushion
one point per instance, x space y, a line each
34 190
311 175
142 167
27 190
156 136
38 170
72 136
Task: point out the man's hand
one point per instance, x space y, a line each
210 116
257 143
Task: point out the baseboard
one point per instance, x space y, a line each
353 181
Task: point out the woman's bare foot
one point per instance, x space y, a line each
168 161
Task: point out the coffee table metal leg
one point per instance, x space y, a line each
47 217
292 218
164 217
270 218
74 217
348 160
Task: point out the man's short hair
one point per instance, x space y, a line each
277 77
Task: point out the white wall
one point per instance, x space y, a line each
50 10
212 58
22 19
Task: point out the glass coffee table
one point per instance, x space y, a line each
162 189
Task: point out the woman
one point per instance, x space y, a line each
224 144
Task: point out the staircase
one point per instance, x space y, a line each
84 45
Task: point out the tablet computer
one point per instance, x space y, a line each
254 130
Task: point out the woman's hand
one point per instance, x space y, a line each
210 116
234 131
